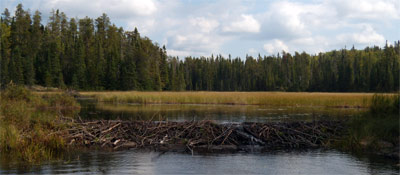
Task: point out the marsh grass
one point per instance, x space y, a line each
368 130
30 125
385 104
381 124
236 98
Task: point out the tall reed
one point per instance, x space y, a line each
377 130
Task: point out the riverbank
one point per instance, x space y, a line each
341 100
31 126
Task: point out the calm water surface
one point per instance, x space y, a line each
218 113
145 162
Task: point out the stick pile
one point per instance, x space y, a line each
201 135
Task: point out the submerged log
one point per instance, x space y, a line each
201 136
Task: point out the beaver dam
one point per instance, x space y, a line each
202 136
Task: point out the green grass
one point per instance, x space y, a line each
385 104
236 98
30 126
379 125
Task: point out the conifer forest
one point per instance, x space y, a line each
95 54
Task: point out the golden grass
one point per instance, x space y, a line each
236 98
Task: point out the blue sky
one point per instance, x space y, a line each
202 28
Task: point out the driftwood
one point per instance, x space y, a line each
201 135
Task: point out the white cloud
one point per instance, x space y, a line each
118 8
205 25
145 26
246 23
366 37
287 19
195 43
179 53
367 9
275 46
252 51
312 44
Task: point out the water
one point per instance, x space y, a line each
218 113
144 162
314 161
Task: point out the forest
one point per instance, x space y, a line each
94 54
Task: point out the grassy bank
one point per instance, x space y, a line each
377 130
31 125
236 98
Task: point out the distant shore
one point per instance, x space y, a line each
321 99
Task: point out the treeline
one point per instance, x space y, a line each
94 54
371 69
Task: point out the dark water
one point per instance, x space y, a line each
278 162
218 113
145 162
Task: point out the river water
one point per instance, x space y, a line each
217 113
313 161
145 162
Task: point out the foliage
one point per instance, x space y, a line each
19 93
94 54
27 130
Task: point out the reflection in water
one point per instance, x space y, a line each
218 113
142 162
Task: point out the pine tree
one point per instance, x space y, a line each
164 69
15 66
112 58
128 76
5 48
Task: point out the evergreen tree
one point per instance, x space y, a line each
5 48
164 69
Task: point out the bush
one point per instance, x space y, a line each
21 94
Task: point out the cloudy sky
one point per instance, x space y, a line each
202 28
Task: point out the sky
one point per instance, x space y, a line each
240 27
